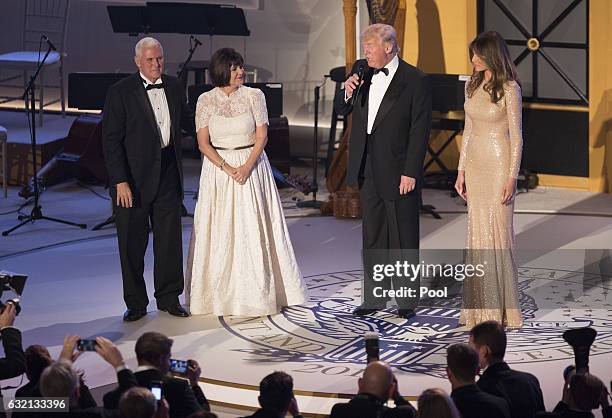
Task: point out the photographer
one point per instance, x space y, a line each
153 353
37 360
582 393
14 363
376 387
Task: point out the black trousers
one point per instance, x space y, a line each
390 234
164 214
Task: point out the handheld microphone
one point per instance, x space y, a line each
48 41
197 42
360 73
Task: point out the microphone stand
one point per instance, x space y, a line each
183 77
36 213
192 48
314 203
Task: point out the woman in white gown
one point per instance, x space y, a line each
241 261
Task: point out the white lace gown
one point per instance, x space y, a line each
241 261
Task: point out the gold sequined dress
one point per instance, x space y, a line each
490 154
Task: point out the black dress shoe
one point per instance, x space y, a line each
132 315
362 311
406 313
175 310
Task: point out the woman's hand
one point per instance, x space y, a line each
230 171
460 185
509 191
243 173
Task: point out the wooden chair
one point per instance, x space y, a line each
42 17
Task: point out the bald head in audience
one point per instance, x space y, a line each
377 380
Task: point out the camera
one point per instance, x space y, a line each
178 366
371 346
12 284
580 339
157 390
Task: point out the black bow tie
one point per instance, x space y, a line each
152 86
383 70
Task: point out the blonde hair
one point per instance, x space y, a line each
435 403
145 43
386 34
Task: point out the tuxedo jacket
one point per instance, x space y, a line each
14 363
400 131
131 138
472 402
183 400
520 389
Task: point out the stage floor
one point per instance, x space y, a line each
75 288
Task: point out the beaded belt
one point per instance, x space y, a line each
237 148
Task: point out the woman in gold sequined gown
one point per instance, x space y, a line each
488 168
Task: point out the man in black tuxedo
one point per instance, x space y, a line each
520 389
461 369
391 111
153 352
143 116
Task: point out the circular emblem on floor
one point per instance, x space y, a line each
323 337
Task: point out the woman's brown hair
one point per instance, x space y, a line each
491 48
221 65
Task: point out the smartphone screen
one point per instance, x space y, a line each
156 389
178 366
86 345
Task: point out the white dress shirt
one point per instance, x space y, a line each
378 88
159 103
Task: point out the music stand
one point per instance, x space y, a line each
128 19
200 19
184 18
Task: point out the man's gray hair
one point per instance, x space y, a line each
386 34
145 43
59 380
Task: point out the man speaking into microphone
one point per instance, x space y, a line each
391 105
